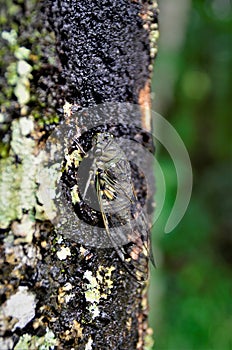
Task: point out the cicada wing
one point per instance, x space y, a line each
106 223
139 221
131 250
141 226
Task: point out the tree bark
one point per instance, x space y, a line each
60 61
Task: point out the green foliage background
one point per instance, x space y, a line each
191 290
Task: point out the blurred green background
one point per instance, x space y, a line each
191 290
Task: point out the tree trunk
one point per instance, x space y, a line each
71 71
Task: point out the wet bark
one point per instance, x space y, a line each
59 60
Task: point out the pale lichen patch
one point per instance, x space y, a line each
47 178
93 293
104 277
24 229
67 109
22 53
11 36
75 158
27 185
63 253
94 310
151 27
83 250
19 73
62 293
19 254
6 343
148 340
17 185
88 346
26 125
75 195
47 342
20 306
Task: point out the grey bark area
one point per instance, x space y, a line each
72 70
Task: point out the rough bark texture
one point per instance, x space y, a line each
71 295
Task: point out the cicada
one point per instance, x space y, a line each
108 189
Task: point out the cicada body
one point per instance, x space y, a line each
107 188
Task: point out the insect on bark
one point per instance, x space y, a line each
108 189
